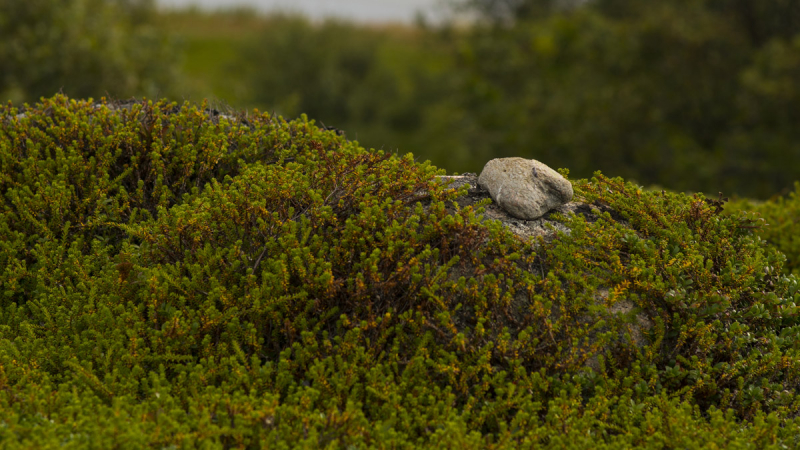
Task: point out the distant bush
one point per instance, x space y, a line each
170 276
83 48
694 96
386 87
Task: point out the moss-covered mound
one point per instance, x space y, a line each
173 277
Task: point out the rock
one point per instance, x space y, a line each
547 226
542 226
525 188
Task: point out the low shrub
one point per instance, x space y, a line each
779 224
176 277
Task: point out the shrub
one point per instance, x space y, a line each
778 225
172 276
386 87
83 48
696 96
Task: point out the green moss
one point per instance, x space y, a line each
172 277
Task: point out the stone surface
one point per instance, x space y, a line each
525 188
548 227
545 226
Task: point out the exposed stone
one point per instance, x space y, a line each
525 188
548 228
545 226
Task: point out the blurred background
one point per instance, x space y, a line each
691 95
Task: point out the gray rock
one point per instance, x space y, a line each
548 228
542 226
525 188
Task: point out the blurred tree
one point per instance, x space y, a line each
83 48
302 68
759 20
689 94
505 11
378 84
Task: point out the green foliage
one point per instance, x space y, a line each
778 223
174 277
83 48
211 46
690 95
709 279
381 86
313 70
696 96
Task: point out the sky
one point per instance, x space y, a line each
357 10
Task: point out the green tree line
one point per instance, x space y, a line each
85 48
692 95
698 95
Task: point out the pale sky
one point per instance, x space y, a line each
358 10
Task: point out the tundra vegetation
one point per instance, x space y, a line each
696 96
175 277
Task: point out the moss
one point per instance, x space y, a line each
176 277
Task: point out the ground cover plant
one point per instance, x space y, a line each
699 99
177 277
780 225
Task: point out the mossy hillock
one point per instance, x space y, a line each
175 277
